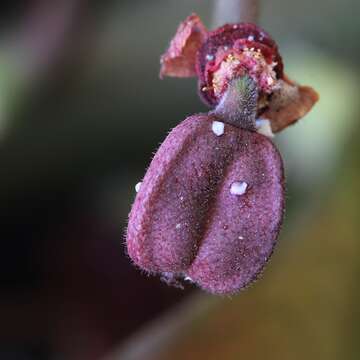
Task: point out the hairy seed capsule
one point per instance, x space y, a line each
185 221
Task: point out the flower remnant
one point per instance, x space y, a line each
230 51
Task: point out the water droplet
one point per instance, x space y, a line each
238 188
251 37
138 186
209 57
218 128
263 127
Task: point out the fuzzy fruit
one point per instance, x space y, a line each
187 222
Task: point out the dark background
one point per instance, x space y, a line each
81 112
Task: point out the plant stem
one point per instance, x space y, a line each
238 105
235 11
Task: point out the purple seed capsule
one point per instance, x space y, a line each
186 221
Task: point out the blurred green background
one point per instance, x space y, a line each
81 112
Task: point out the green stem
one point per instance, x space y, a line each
238 105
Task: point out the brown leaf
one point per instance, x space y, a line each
179 59
288 104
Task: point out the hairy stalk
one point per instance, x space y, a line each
238 105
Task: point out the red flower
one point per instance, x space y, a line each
196 52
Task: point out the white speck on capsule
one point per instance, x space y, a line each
241 238
263 127
251 37
181 198
238 188
218 128
178 226
138 186
209 57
